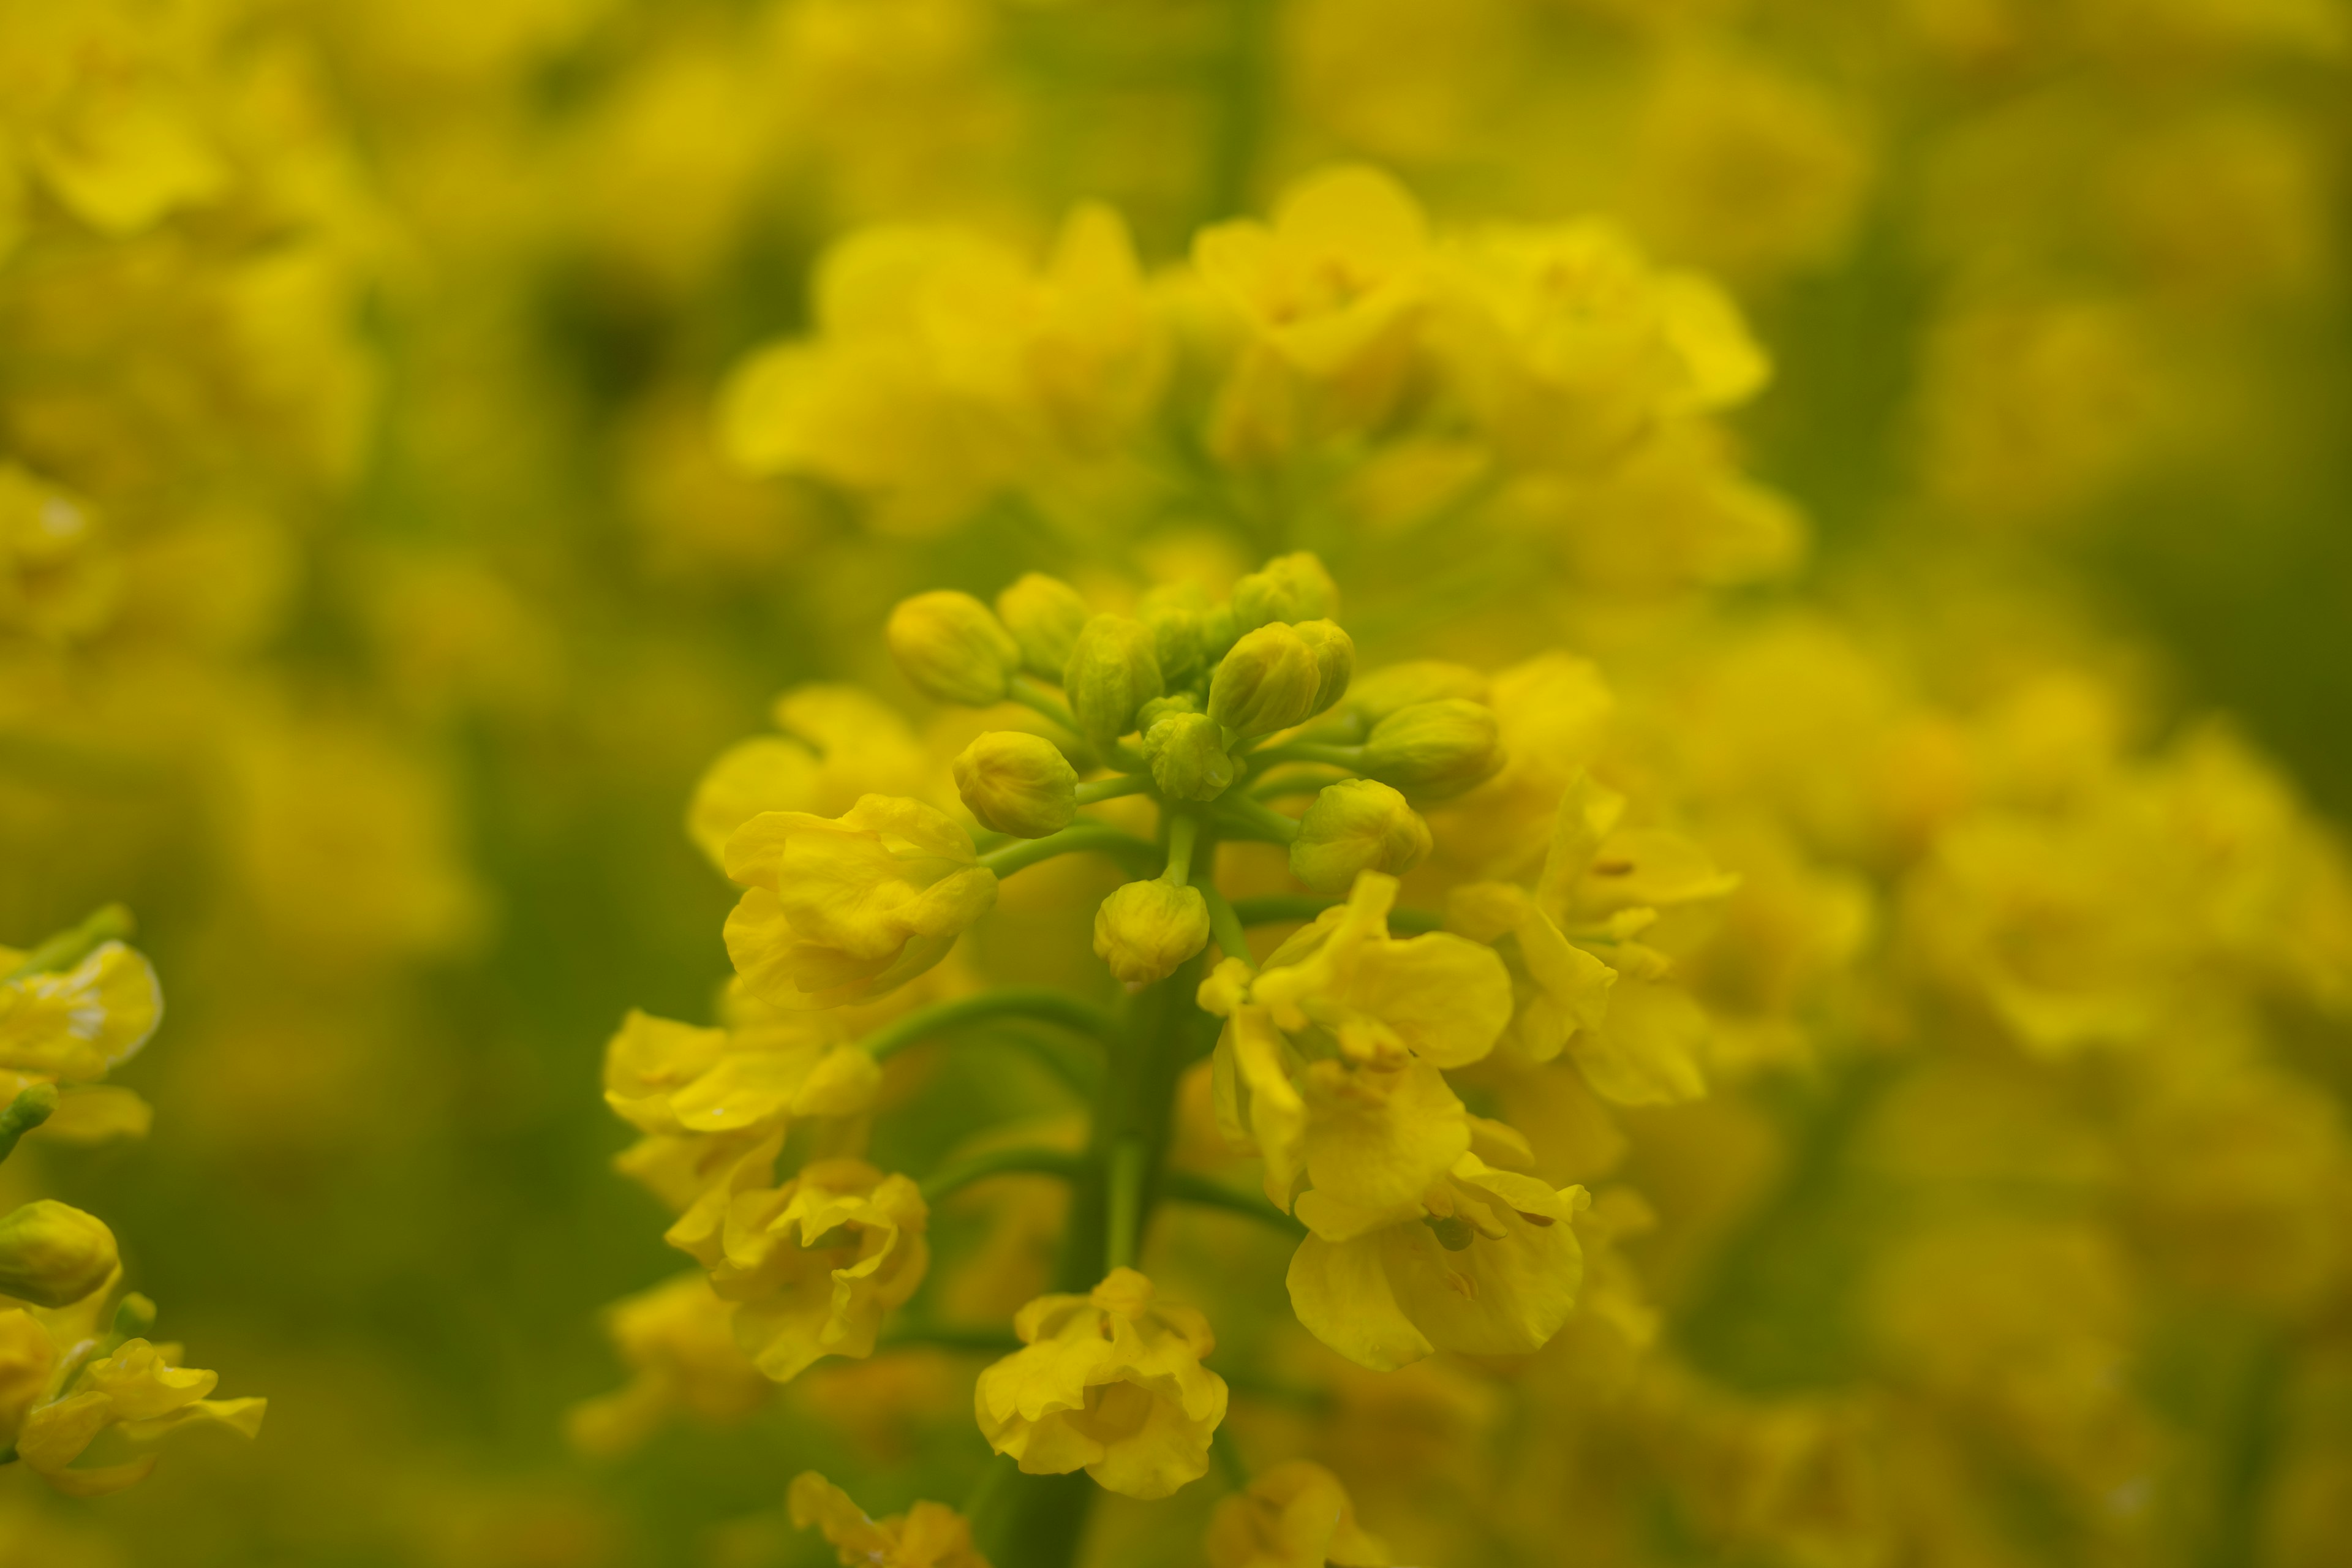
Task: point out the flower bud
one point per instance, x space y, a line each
1267 682
1435 750
1359 825
1146 929
1292 587
53 1254
953 648
1044 615
1178 615
1166 707
1380 692
1335 659
1018 783
1113 670
1188 756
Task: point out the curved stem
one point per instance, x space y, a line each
1127 1173
1272 909
1348 757
1191 1187
953 1178
1184 832
31 1107
1040 1002
1229 931
1258 820
68 948
1139 855
1034 694
1282 784
1097 790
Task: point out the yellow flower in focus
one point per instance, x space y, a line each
848 908
75 1025
667 1077
1486 1262
1144 930
1110 1381
138 1393
1328 1065
812 1266
929 1535
1295 1516
679 1341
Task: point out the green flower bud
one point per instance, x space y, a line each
1435 750
1188 756
1382 691
53 1254
1144 930
1335 659
1018 783
1269 682
1359 825
1114 669
1178 615
1166 707
1287 588
953 648
1044 615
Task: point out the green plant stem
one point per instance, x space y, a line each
1183 834
1229 1459
956 1176
1139 855
1191 1187
1231 935
1038 1001
1285 784
68 948
27 1110
1123 1237
1094 791
1258 820
1348 757
1034 694
1272 909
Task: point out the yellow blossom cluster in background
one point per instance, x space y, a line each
1318 782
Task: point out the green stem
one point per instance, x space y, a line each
962 1173
1033 693
1094 791
1123 1238
1257 820
1231 934
1274 909
1191 1187
1348 757
1229 1459
1184 832
1040 1002
1139 855
30 1107
68 948
1283 784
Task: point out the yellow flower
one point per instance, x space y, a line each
1328 1065
814 1265
678 1343
667 1077
848 909
53 1254
838 743
75 1025
135 1390
1486 1262
1111 1381
929 1535
1295 1516
1359 824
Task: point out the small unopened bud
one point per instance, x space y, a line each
1267 682
1359 825
1018 783
1166 707
1044 615
54 1255
1144 930
1335 659
1380 692
1292 587
1435 750
1178 615
1114 669
1188 758
952 648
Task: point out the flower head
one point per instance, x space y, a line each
1110 1381
136 1392
849 907
73 1026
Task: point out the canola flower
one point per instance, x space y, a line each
77 1370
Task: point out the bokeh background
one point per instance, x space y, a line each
382 339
